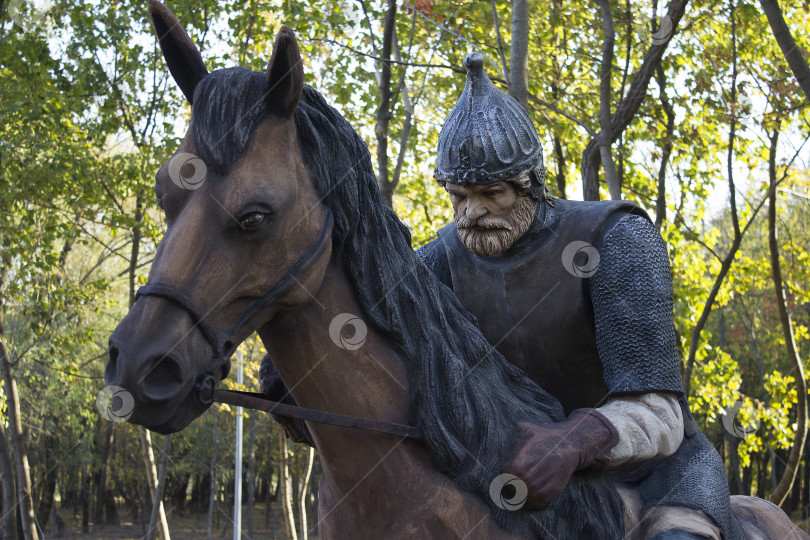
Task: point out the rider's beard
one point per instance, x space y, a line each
490 235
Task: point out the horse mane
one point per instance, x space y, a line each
465 397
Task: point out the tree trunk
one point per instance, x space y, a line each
9 522
143 434
628 107
407 123
805 481
20 455
559 157
303 490
212 471
519 57
251 494
387 186
152 480
666 152
272 495
605 71
46 498
790 50
110 509
734 483
286 488
735 221
103 470
85 500
792 466
747 478
504 65
157 497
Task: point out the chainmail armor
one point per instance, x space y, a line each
693 477
631 292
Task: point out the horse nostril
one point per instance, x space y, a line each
164 380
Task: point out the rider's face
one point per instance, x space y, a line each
478 200
490 218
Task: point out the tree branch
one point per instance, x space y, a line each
785 484
788 45
629 105
390 61
661 198
519 58
505 66
552 108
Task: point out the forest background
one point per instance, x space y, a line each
688 109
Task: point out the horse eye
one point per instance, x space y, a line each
251 220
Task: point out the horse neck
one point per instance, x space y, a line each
368 382
360 467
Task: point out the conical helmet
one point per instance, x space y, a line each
488 136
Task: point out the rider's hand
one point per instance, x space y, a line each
548 455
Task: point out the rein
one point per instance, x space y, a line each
222 345
258 402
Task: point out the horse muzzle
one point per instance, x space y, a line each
157 355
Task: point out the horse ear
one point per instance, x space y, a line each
182 56
285 75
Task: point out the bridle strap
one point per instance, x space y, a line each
170 293
303 264
218 340
256 401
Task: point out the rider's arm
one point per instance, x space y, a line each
631 292
649 426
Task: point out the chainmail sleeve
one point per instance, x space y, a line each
631 292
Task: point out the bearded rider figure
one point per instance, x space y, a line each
578 295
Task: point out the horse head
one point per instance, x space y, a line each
246 234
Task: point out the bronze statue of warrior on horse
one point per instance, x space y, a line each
512 365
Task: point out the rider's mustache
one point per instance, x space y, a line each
484 222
